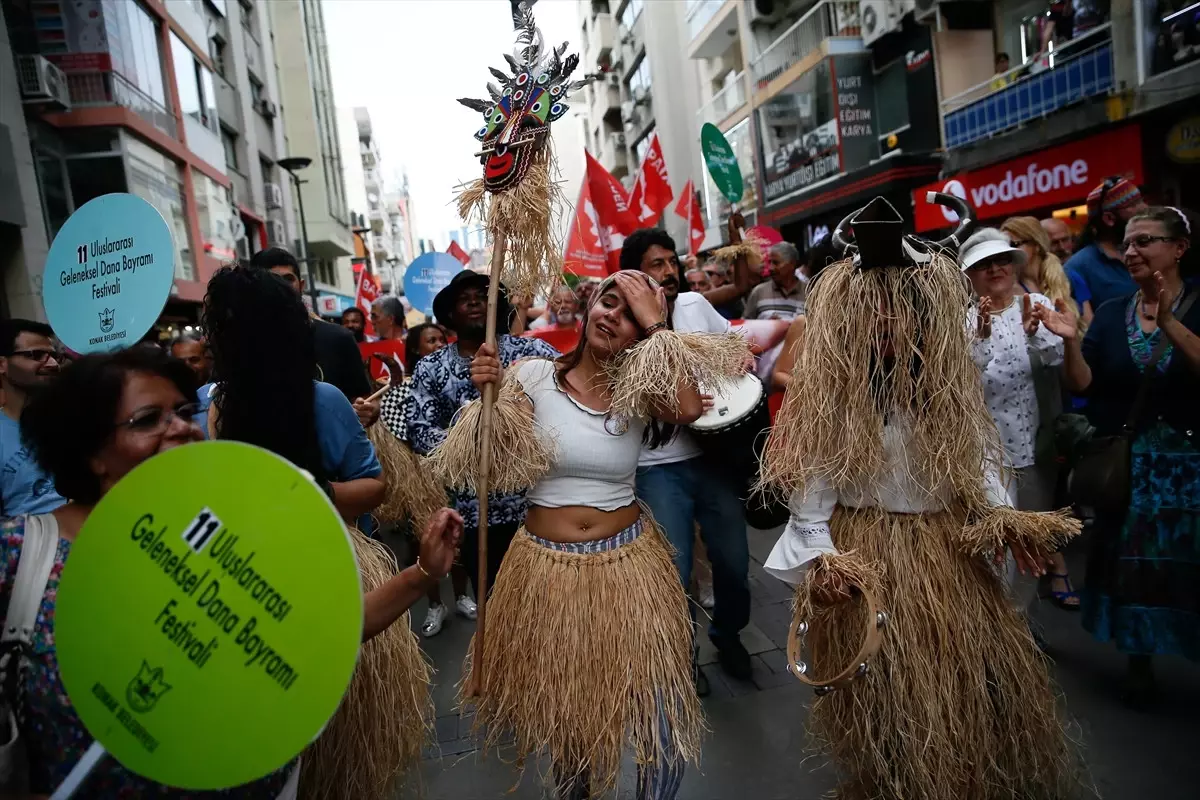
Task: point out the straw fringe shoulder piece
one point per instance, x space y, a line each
521 451
958 703
752 247
386 717
413 492
648 375
581 652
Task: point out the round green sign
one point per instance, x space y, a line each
209 616
722 162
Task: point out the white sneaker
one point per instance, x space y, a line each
434 617
704 594
466 607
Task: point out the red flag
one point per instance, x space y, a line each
366 294
652 189
688 207
459 253
613 218
585 254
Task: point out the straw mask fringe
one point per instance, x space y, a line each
386 717
751 246
581 650
412 491
832 419
647 376
521 452
1038 532
525 217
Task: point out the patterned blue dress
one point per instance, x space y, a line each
1142 589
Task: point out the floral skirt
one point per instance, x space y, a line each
1143 576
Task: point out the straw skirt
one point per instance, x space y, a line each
586 652
958 704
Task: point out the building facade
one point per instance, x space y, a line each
148 97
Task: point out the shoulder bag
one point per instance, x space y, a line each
1101 478
16 641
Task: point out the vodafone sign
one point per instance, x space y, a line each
1061 175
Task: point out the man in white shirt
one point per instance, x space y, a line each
683 488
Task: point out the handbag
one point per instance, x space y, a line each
16 641
1101 478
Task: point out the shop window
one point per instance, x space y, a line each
1170 34
798 135
214 207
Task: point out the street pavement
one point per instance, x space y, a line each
757 749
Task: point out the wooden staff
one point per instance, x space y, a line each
485 460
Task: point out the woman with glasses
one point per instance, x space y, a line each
1143 575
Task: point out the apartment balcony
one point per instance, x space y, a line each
614 156
1077 70
377 219
712 26
830 27
369 161
89 89
229 104
240 186
606 102
602 38
725 102
637 114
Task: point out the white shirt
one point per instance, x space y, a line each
691 314
595 455
1008 360
894 490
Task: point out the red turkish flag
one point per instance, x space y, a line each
652 189
459 253
613 218
366 294
586 254
688 207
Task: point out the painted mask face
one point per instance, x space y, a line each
516 120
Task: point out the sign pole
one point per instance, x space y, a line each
485 468
79 773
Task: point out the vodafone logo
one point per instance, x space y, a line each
1032 182
955 188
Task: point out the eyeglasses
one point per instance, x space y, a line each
40 356
1018 242
998 260
1143 241
156 420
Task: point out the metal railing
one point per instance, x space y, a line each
724 102
699 13
1078 69
110 88
824 20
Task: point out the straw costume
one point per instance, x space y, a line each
885 446
413 493
589 644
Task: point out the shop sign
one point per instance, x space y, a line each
1183 141
855 93
1057 176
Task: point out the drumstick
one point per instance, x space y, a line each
380 393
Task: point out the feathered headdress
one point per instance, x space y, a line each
517 156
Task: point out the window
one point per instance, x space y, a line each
798 134
197 96
133 45
639 148
891 96
631 12
1170 34
250 23
229 142
214 207
158 180
216 51
256 91
639 81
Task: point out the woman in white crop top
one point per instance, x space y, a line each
588 641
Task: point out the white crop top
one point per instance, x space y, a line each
595 456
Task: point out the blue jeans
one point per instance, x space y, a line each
683 493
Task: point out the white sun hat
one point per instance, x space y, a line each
984 243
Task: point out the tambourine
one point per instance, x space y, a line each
872 639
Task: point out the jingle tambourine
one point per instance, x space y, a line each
872 639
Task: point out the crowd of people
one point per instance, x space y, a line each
1054 345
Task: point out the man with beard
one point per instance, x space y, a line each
29 359
338 359
1099 264
682 488
193 351
1062 241
354 321
441 385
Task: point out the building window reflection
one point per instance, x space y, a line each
158 180
133 45
197 96
214 208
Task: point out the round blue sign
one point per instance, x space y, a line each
427 276
108 274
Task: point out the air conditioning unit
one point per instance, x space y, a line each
641 97
274 195
267 108
925 10
767 12
276 233
879 17
619 139
43 82
626 109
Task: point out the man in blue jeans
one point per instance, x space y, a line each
681 487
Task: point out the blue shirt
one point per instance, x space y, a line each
1104 277
24 487
440 386
1079 289
346 452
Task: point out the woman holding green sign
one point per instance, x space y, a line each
140 403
